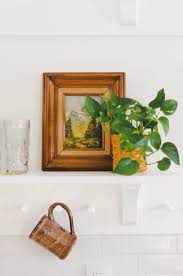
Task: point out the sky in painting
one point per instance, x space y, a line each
75 103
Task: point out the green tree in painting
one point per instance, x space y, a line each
99 133
93 134
70 140
68 129
92 129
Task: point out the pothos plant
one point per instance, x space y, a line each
138 127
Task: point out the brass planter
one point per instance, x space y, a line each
118 154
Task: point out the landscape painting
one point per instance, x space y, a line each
81 131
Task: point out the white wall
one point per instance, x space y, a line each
88 17
129 256
65 35
150 64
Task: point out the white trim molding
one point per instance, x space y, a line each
128 12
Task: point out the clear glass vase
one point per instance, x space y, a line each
2 148
14 146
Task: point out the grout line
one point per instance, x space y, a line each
105 235
83 36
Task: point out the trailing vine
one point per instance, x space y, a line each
138 127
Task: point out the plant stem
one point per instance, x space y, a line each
151 163
151 153
158 114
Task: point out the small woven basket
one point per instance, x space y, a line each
52 236
118 154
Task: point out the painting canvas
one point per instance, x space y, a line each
78 133
81 131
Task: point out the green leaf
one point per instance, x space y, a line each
155 140
158 101
103 118
164 164
127 166
122 126
114 99
169 107
110 107
127 102
138 108
151 123
104 107
103 113
135 138
164 123
126 145
171 151
155 128
139 117
92 107
142 144
119 113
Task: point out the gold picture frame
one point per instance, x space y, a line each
70 140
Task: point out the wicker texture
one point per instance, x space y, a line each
118 154
52 236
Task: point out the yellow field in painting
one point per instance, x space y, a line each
79 128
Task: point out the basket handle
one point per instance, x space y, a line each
50 214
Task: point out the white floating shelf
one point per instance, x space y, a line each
88 176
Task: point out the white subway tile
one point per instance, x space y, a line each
160 274
122 252
74 266
141 274
114 245
12 245
122 274
72 274
125 264
86 248
120 264
169 264
34 266
128 274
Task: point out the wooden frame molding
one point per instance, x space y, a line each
54 156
